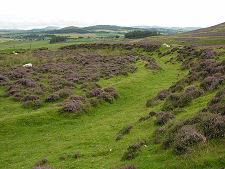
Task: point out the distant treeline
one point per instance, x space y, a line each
140 34
58 39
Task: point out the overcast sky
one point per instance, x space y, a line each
170 13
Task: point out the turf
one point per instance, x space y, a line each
29 135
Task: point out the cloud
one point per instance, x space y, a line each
33 14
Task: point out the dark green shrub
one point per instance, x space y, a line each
57 39
93 102
152 113
143 118
184 100
133 151
140 34
123 131
35 104
177 88
157 135
64 93
150 102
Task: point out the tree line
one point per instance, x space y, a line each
140 34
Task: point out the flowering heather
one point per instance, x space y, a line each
213 125
51 98
72 106
94 92
194 91
210 83
106 97
111 90
26 82
216 105
31 98
186 137
129 166
15 75
163 117
80 98
4 80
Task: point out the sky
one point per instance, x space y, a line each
28 14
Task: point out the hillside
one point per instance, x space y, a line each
211 36
168 30
124 105
217 30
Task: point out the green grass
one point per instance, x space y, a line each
31 44
28 135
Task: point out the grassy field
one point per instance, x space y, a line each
17 44
31 44
29 135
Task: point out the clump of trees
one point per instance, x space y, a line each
140 34
57 39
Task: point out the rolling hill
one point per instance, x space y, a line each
213 31
211 36
70 29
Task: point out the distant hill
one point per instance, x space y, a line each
70 29
168 30
159 29
210 36
185 28
51 28
174 28
110 27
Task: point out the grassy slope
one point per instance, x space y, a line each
28 136
211 36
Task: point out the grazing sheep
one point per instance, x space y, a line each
166 45
28 65
15 53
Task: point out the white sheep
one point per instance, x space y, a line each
28 65
166 45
